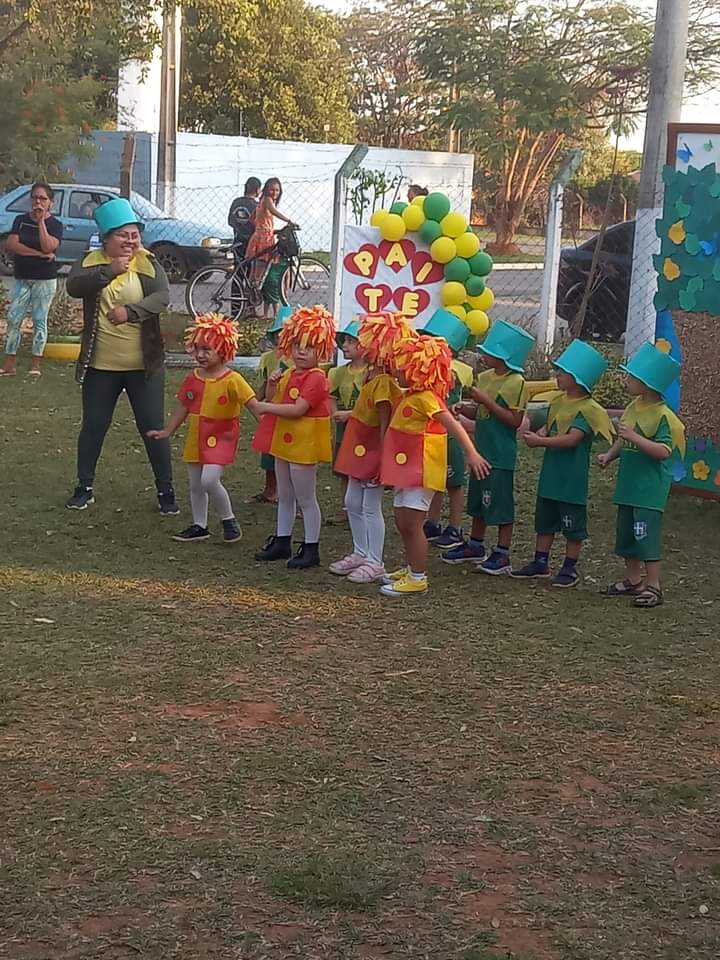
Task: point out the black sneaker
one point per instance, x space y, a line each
565 578
449 538
192 533
167 504
81 499
276 548
531 571
431 530
231 530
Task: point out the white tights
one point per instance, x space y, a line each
205 485
367 524
296 488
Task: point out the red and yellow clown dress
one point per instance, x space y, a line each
307 439
214 407
360 452
415 449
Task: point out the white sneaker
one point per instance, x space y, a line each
342 567
368 572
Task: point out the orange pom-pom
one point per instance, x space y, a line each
310 327
426 364
381 334
220 333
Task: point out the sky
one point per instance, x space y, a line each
700 109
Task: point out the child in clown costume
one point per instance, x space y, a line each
345 382
445 324
268 364
211 398
295 429
361 449
648 434
574 420
414 457
501 396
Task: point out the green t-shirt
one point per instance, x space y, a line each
641 480
565 470
494 440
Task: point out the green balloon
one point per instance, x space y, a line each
474 285
458 270
436 206
430 231
398 207
481 264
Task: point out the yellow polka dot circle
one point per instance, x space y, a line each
401 458
212 441
360 450
294 393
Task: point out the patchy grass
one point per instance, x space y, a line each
207 758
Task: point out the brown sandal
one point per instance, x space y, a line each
624 588
650 597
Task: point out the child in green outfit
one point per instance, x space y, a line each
574 420
345 382
502 398
648 433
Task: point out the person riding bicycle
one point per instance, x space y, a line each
262 246
241 215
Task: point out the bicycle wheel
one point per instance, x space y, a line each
214 290
306 283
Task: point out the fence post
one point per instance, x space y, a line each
127 164
547 319
337 243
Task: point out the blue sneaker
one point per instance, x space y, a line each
496 564
450 537
531 571
431 530
464 553
565 578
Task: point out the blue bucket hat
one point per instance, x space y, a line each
509 343
583 362
651 366
351 329
280 318
114 214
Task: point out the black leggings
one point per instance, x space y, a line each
100 392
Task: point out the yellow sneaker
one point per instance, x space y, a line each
404 587
396 575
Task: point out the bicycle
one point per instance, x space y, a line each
231 289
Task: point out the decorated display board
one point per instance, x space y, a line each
415 258
688 296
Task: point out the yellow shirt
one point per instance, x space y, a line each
118 347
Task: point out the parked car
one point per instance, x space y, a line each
181 246
606 315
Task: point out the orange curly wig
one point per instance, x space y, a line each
381 334
426 364
310 327
217 331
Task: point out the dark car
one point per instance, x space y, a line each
606 315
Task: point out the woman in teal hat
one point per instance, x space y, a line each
123 289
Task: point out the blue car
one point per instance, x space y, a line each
181 246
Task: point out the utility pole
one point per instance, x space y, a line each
167 132
667 76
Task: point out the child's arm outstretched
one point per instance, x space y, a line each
290 411
511 418
179 416
479 465
612 454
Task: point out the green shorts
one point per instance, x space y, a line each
556 516
267 462
638 535
456 464
492 499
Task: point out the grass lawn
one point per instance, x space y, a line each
205 758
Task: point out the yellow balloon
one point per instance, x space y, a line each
458 311
443 250
483 301
418 201
377 218
478 322
414 217
392 227
452 294
467 245
454 224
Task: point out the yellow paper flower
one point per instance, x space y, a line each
663 345
677 232
701 470
671 271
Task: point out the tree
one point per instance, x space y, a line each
393 104
269 68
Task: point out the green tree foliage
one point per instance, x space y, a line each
269 68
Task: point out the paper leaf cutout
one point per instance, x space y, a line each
682 208
677 232
692 244
671 270
695 284
687 300
716 271
708 145
685 153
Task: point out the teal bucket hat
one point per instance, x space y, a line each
509 343
451 328
657 370
583 362
280 318
114 214
351 329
